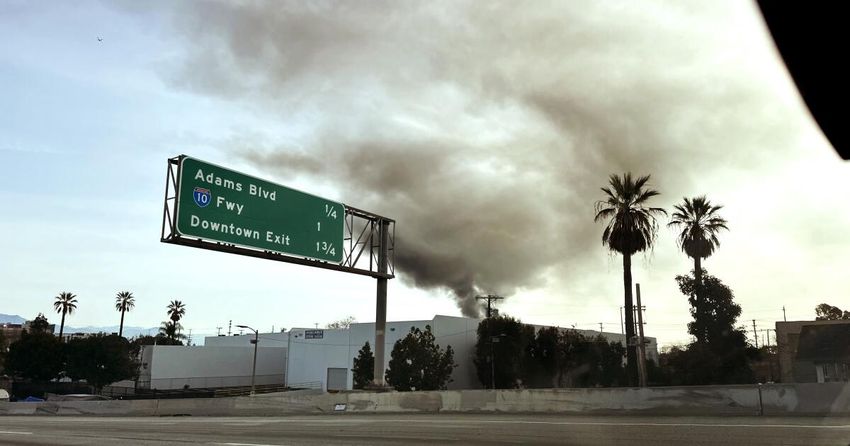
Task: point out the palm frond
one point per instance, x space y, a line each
699 224
631 225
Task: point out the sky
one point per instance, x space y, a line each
486 130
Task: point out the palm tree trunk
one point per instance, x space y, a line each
698 269
121 327
631 352
62 325
700 316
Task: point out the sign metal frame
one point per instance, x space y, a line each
364 236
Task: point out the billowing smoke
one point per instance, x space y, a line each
486 129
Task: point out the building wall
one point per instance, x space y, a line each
787 340
311 358
174 366
266 340
226 360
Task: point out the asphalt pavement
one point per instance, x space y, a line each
461 429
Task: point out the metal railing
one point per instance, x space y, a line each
306 385
218 392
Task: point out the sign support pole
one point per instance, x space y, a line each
381 306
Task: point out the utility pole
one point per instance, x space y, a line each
229 324
641 345
490 298
755 334
784 319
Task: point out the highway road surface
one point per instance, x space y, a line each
438 429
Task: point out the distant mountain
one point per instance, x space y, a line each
129 332
11 319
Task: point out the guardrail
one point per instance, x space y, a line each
306 385
211 392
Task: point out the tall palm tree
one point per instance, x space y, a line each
176 310
124 301
65 303
630 228
700 224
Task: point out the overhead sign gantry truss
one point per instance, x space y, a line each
202 214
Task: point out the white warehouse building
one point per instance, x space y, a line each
318 358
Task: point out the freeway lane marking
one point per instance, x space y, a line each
592 423
15 433
449 423
249 444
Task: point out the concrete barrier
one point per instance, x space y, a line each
772 399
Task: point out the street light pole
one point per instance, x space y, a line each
255 341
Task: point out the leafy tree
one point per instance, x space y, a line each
591 361
342 323
826 312
543 359
502 352
4 348
699 223
551 357
37 356
697 364
630 228
40 324
159 339
714 318
65 303
418 363
100 360
364 367
722 356
124 301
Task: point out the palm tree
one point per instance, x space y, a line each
65 303
176 310
698 220
630 228
171 330
700 224
124 301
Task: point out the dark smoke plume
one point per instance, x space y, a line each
484 129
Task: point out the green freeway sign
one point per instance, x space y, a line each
219 204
